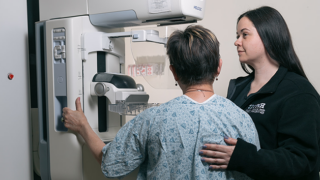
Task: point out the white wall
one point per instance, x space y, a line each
302 17
15 147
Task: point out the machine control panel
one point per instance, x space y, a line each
59 57
60 75
59 51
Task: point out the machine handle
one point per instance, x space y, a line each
102 100
102 113
42 101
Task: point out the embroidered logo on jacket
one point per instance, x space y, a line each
258 108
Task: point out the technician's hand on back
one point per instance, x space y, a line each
220 154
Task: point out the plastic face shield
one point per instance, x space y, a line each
151 61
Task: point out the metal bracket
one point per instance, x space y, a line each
100 41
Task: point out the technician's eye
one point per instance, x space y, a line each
244 34
237 36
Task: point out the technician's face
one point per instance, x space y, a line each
249 44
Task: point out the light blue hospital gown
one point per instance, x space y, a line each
166 140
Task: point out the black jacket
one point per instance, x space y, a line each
286 112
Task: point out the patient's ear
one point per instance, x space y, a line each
219 67
174 72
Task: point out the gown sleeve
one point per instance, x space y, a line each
128 149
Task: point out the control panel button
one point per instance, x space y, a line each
57 30
57 56
63 48
60 79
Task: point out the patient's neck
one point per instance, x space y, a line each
199 93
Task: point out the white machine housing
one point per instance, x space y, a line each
64 74
125 13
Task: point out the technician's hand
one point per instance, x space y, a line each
75 120
219 155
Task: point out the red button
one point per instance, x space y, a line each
10 76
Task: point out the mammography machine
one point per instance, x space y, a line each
80 53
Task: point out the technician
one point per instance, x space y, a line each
283 104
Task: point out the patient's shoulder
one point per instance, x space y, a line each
231 110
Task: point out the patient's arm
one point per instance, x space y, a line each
76 121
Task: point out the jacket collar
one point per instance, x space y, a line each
236 85
273 83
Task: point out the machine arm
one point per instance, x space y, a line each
99 41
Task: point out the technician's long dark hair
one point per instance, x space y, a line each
276 38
